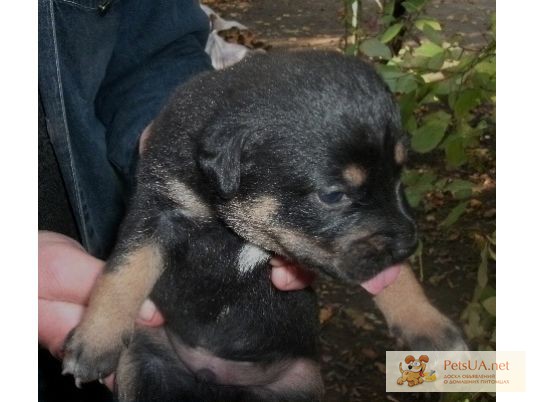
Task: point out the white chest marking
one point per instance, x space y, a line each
250 256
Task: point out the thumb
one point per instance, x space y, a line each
149 315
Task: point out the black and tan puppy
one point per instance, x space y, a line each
297 155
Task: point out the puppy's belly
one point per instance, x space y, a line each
291 373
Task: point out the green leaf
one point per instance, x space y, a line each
433 35
487 292
436 62
487 66
486 83
423 22
460 188
482 274
390 74
440 184
374 48
389 71
410 123
490 305
387 19
455 151
391 32
407 83
475 326
408 103
428 49
413 6
417 184
454 214
428 136
444 87
389 8
455 52
466 101
463 63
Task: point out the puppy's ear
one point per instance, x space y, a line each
219 160
424 358
409 359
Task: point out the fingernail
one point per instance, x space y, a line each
147 311
279 276
291 274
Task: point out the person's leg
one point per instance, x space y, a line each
76 42
54 211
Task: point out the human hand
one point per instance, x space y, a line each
67 274
286 276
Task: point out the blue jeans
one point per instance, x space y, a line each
105 69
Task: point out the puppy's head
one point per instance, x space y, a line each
306 161
416 365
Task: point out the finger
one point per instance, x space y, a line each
290 277
149 315
55 321
143 137
66 273
109 381
46 237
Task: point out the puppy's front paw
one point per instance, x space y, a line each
90 356
446 337
430 330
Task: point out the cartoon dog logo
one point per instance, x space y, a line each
415 373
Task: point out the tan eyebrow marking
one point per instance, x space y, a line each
401 153
355 175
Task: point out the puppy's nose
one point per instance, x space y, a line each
405 246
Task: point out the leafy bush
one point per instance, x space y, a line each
441 88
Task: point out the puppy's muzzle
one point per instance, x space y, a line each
362 259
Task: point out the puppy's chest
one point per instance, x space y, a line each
218 294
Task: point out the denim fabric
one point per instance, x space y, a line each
105 69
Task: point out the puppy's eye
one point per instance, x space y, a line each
333 197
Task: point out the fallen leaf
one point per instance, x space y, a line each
326 313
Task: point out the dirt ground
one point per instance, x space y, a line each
354 335
297 24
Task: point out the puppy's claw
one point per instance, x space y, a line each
78 382
87 362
